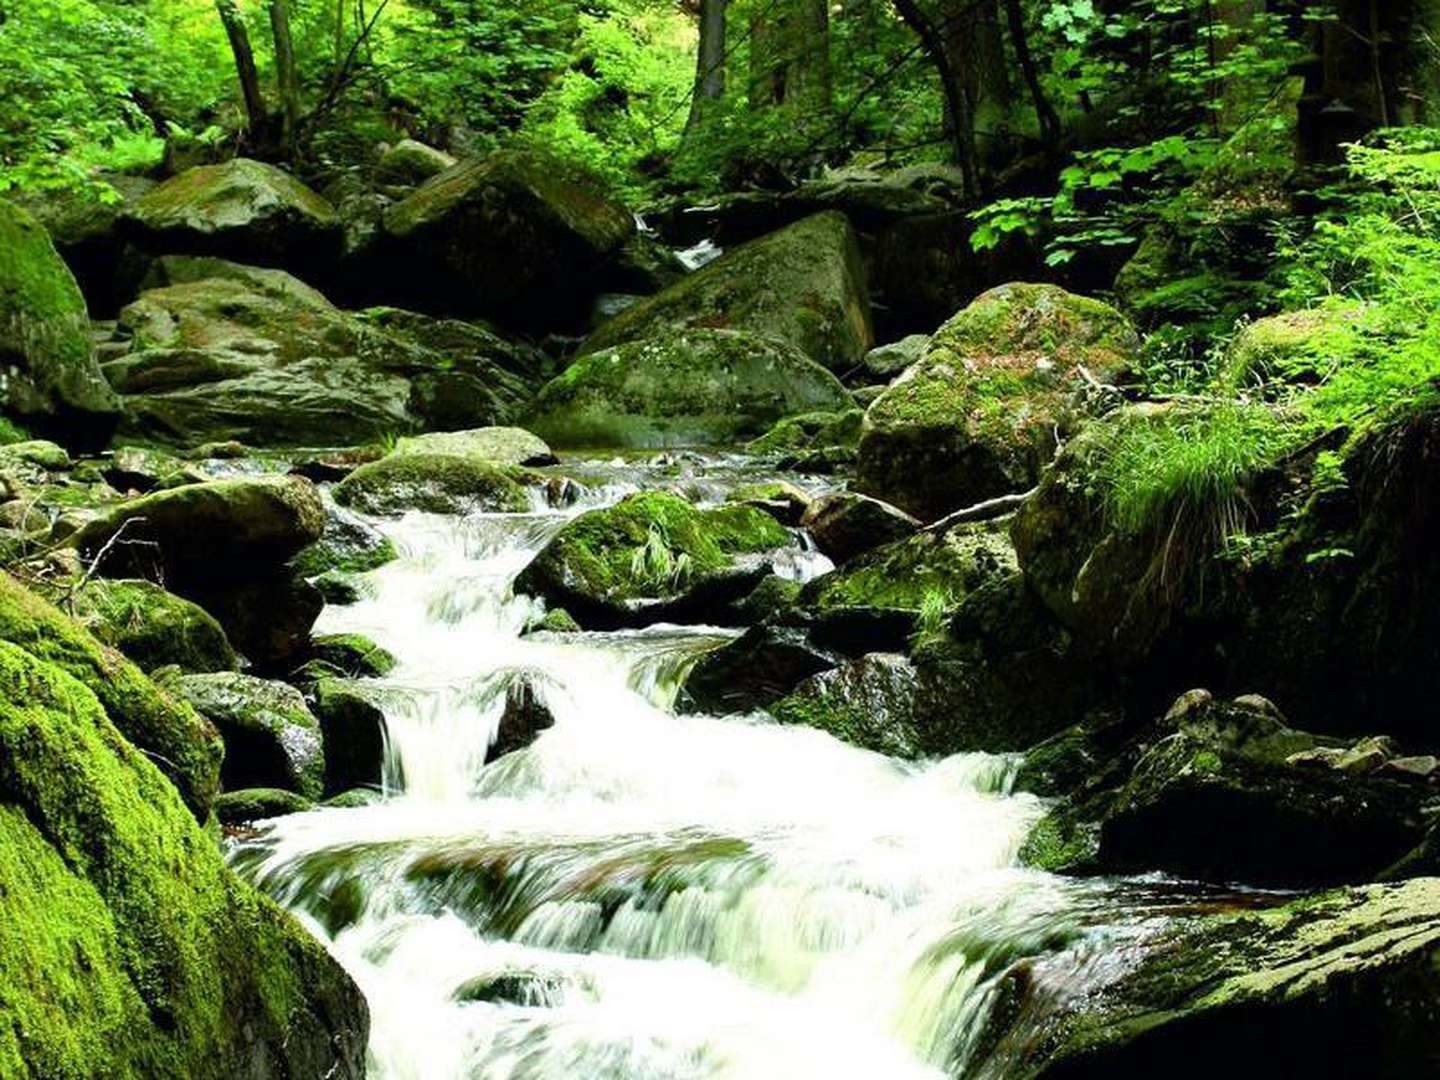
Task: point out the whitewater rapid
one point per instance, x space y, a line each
642 895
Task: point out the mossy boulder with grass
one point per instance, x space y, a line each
653 557
700 387
183 744
1293 983
978 415
124 939
240 209
53 383
1295 348
271 737
438 483
804 285
153 627
510 237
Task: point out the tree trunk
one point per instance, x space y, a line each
1045 114
790 55
286 74
257 115
709 61
961 125
338 50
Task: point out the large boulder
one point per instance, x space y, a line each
845 524
184 745
700 387
653 557
153 627
502 445
977 416
271 737
868 702
803 284
507 237
52 381
1334 986
125 942
241 209
438 483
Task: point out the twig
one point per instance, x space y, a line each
94 566
981 511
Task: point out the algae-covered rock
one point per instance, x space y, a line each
652 557
501 445
700 387
977 416
439 483
1234 993
125 943
866 702
258 804
240 209
804 285
354 729
271 737
183 744
152 627
352 655
52 382
507 237
347 545
412 162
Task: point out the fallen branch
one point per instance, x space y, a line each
94 566
981 511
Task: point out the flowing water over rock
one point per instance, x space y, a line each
644 895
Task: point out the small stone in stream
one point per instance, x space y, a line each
353 799
556 621
257 804
338 588
524 718
352 655
525 988
781 499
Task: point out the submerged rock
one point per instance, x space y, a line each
701 387
271 737
803 285
976 417
52 382
127 943
653 557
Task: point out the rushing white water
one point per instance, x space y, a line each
640 894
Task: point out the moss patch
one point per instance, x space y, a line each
437 483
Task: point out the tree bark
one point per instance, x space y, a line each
790 55
1045 115
257 115
286 73
709 61
961 126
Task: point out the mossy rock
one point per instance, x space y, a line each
1294 983
1296 348
699 387
184 745
154 628
353 655
354 728
411 162
41 454
653 556
555 621
271 737
258 804
977 416
804 285
844 524
267 615
509 237
124 939
500 445
436 483
347 545
53 384
757 669
866 702
240 209
811 431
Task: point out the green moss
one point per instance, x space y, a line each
810 431
352 655
185 746
437 483
123 938
271 737
1060 845
256 804
153 627
11 432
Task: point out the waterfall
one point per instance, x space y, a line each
640 894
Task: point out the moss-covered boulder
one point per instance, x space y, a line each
152 627
352 656
183 744
813 442
754 671
241 209
845 524
804 285
502 445
652 557
271 737
1295 348
438 483
354 729
700 387
977 416
125 944
867 702
53 383
508 237
258 804
348 545
412 162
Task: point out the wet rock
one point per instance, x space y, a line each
354 730
698 387
113 899
555 621
977 416
867 702
352 656
436 483
145 470
53 384
152 627
258 804
757 669
337 587
501 445
886 361
653 557
506 237
524 719
804 285
797 438
845 524
267 615
241 209
348 544
271 737
781 499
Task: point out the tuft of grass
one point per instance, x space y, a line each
654 563
1180 479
